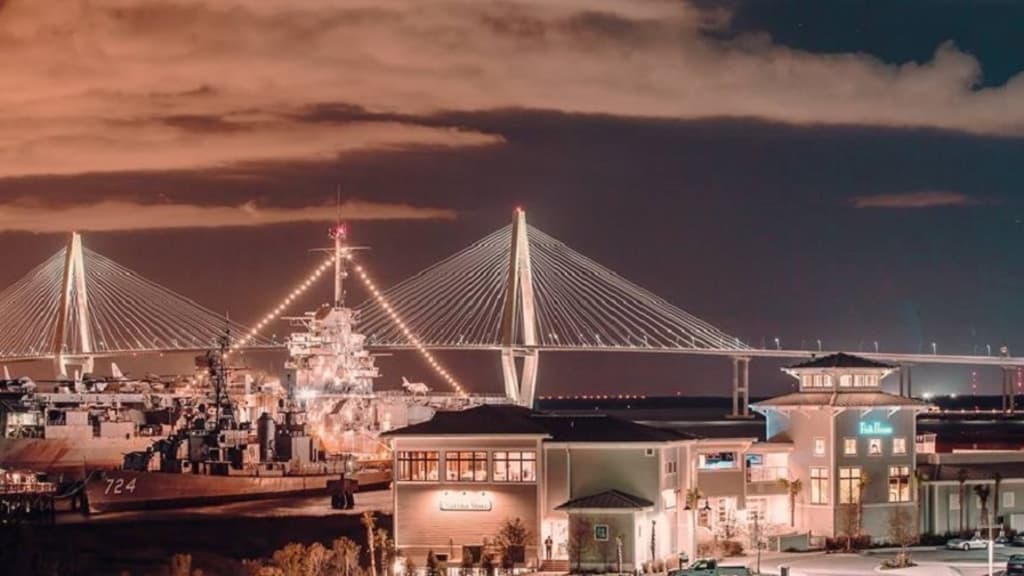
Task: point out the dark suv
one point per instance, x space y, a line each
1015 565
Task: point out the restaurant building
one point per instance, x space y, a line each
836 447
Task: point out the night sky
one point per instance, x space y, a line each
802 170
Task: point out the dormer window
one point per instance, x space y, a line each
817 381
865 381
841 372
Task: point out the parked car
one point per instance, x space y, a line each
972 543
1018 540
1015 565
710 567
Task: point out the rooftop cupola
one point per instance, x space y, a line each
840 372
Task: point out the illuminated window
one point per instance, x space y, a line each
819 485
899 445
849 485
515 466
954 501
1008 500
716 461
817 381
844 381
849 446
899 483
874 446
819 446
465 466
418 466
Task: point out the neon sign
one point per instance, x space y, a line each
466 502
875 429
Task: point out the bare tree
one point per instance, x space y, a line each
848 523
512 539
580 539
902 532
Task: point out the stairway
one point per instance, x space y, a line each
560 566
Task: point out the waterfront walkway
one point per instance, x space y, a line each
308 506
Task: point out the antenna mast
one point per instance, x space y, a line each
339 234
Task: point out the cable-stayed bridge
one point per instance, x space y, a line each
79 305
518 292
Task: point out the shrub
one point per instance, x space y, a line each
730 548
433 566
839 543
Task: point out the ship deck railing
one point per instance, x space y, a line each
28 488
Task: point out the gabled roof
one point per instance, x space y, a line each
607 500
841 360
515 420
485 419
873 399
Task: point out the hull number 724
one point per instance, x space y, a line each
118 486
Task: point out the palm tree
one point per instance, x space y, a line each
920 492
961 477
371 524
983 491
998 477
792 487
862 484
386 547
346 555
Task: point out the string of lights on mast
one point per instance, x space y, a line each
336 258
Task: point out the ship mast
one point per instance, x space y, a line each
339 234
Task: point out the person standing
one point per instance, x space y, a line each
548 544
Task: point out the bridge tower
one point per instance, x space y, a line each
73 312
519 318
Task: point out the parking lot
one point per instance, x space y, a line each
932 561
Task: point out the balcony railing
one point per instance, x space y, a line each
767 473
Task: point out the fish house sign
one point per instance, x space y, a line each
875 429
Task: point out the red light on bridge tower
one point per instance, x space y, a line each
339 232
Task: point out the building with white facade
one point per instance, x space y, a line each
839 456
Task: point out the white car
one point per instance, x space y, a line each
973 543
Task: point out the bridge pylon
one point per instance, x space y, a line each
519 319
73 312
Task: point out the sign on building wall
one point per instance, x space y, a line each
875 429
466 501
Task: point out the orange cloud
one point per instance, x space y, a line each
924 199
90 86
32 216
